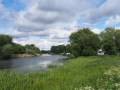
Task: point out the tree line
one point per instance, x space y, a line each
84 42
8 48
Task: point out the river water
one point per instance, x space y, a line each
27 65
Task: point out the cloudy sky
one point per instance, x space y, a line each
50 22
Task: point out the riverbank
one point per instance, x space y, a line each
85 73
25 55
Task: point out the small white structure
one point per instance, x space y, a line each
100 52
68 53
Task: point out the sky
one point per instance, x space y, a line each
50 22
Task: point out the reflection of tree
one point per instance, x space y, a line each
5 64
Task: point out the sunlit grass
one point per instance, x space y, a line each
82 73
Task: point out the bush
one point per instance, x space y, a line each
7 51
72 56
29 51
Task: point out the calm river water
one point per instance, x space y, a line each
27 65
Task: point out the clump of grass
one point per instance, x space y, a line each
52 66
82 73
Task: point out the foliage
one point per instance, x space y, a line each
5 39
33 47
52 66
45 51
83 73
7 47
7 51
84 43
58 49
29 51
18 49
111 40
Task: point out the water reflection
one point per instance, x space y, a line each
25 65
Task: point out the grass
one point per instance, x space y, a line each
83 73
24 55
52 66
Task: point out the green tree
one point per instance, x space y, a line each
68 48
29 51
84 42
111 40
18 49
33 47
5 39
117 40
58 49
7 51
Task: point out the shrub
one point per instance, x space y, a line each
29 51
7 51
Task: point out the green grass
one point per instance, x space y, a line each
85 73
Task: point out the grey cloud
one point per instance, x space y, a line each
46 14
6 17
2 10
109 8
41 18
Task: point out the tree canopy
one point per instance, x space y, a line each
8 48
58 49
7 51
111 41
84 42
5 39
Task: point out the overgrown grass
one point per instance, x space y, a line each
83 73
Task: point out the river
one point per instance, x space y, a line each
27 65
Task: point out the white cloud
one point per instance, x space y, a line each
108 9
113 20
44 14
117 27
43 44
97 31
6 17
43 19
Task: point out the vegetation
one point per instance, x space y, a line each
8 48
32 48
45 51
84 43
5 39
18 49
7 51
83 73
111 41
58 49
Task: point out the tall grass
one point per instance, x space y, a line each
83 73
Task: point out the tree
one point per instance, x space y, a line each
84 42
58 49
111 40
5 39
117 40
29 51
7 51
33 47
18 49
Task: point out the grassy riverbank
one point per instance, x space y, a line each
85 73
24 55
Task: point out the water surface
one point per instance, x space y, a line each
26 65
